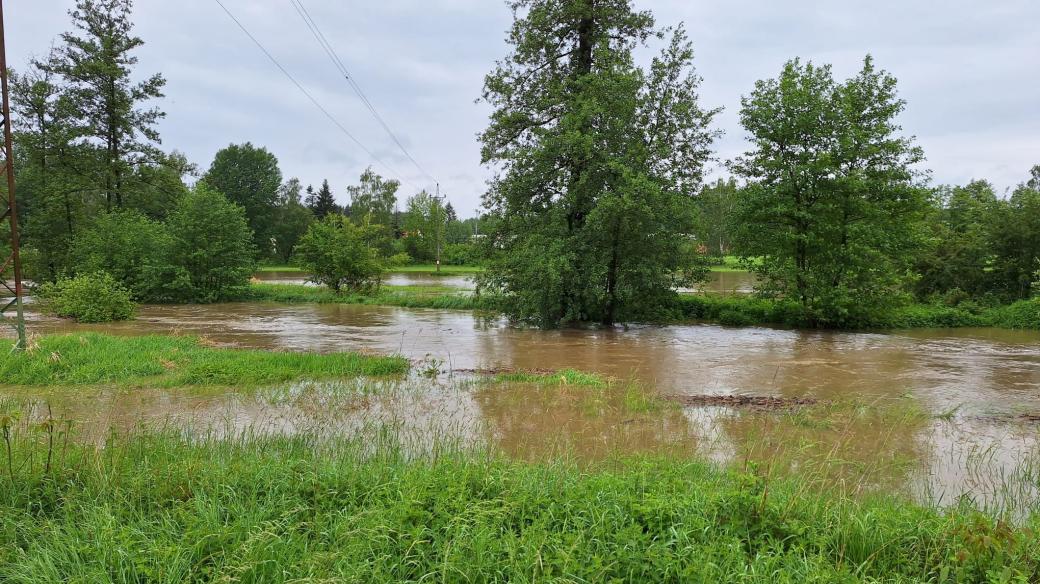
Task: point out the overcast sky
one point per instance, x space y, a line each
968 70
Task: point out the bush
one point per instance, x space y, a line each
1024 314
96 297
211 246
460 254
135 250
341 255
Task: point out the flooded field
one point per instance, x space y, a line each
718 282
939 413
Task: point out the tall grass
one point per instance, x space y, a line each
169 361
159 507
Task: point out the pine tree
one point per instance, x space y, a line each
322 203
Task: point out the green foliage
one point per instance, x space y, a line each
96 297
600 161
212 243
291 221
249 177
423 227
831 207
374 197
134 250
343 255
95 62
461 254
170 361
322 203
1016 240
159 506
717 207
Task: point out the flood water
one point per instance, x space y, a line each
976 390
718 282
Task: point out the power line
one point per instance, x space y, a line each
303 90
312 25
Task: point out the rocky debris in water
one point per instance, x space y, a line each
506 371
756 402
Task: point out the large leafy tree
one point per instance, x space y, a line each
958 252
249 177
374 197
96 63
717 204
423 226
54 179
599 161
832 206
292 219
212 242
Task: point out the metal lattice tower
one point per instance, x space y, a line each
11 270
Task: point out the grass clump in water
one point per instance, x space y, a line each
171 361
163 508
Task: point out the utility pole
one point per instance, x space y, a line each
13 261
440 224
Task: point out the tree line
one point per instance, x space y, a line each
600 213
598 210
98 194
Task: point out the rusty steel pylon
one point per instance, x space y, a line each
11 271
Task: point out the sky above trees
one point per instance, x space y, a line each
966 69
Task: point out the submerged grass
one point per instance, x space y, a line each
159 507
169 361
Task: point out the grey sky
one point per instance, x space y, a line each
967 68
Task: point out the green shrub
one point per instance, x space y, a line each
135 250
1024 314
212 244
342 255
460 254
96 297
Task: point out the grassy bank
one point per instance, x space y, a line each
169 361
405 296
728 310
160 508
746 310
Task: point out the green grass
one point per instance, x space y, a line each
279 268
749 310
404 296
563 377
171 361
729 264
157 507
432 269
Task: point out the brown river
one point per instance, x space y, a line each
937 413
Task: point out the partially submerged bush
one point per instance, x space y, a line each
96 297
342 255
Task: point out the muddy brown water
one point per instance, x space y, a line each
718 282
974 388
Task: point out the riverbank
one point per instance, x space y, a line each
158 506
174 361
729 310
748 311
360 493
